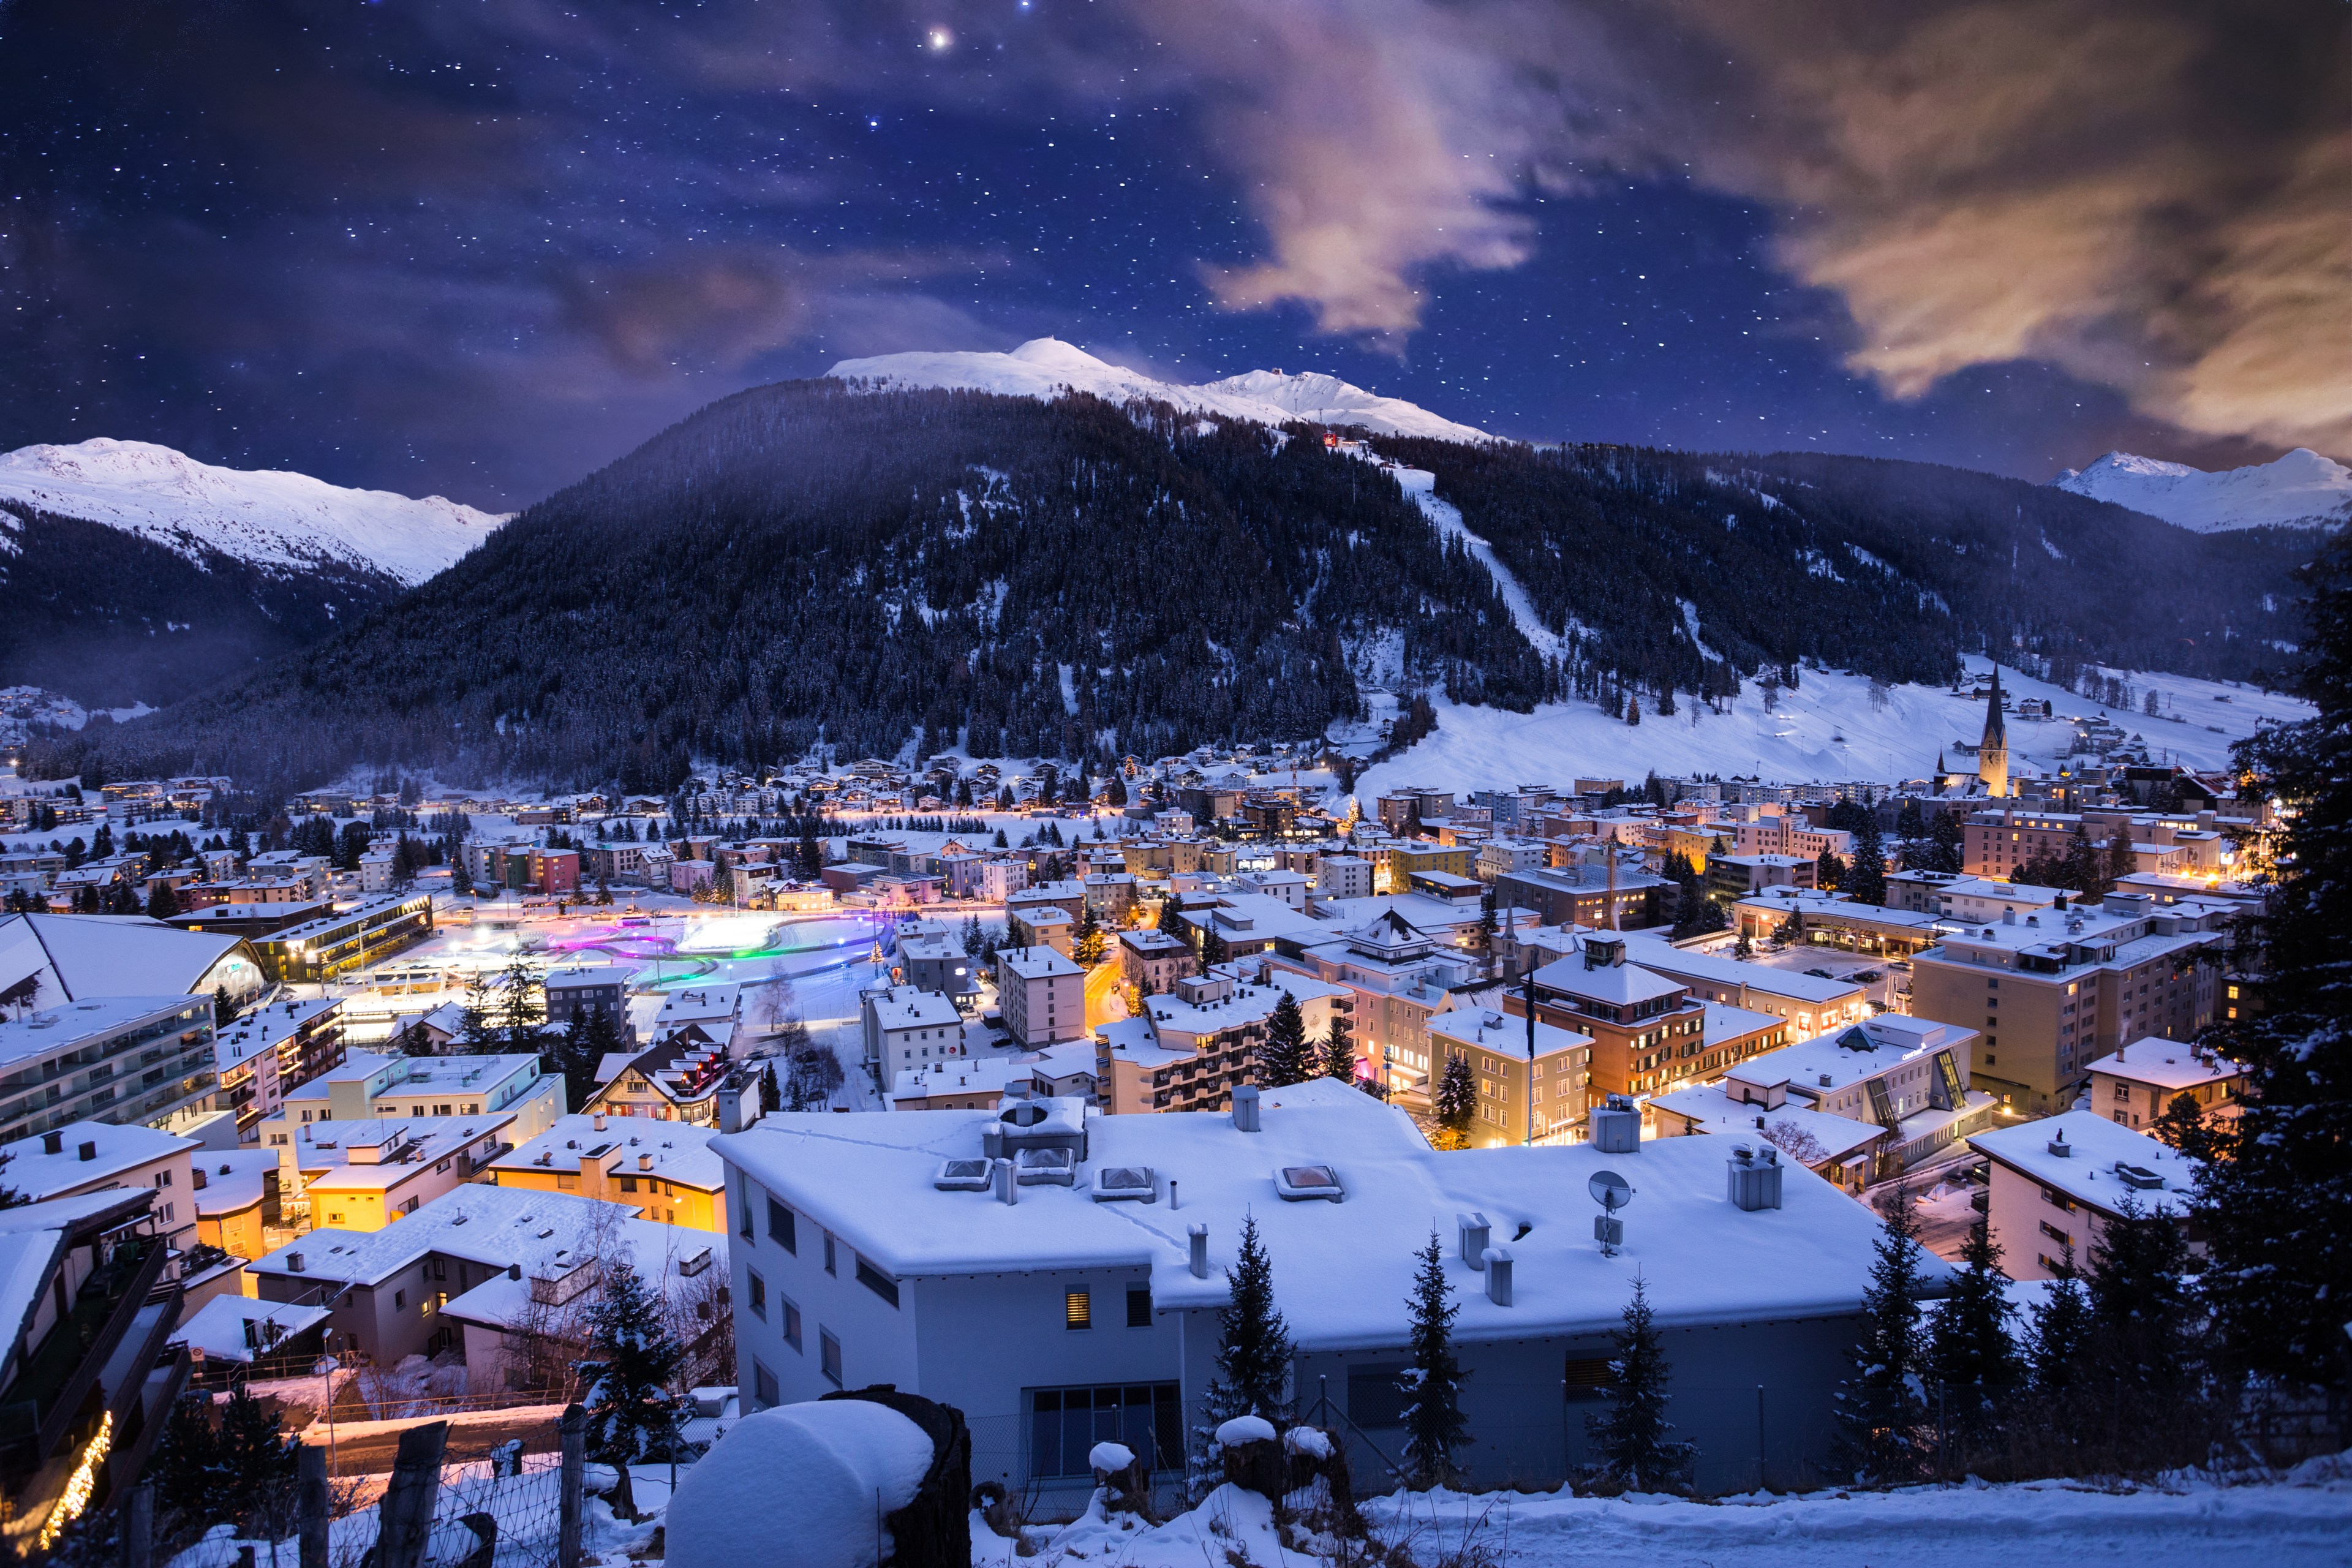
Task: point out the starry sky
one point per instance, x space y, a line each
478 248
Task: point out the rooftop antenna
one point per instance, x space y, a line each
1611 1192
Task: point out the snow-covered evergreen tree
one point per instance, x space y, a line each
1970 1349
1339 1051
1253 1351
1885 1434
1435 1426
2061 1325
1456 1101
1638 1450
632 1364
1285 1057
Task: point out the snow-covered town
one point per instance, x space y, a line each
1367 783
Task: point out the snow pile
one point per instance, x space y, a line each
1244 1429
2301 488
1311 1441
798 1484
268 517
1046 367
1110 1459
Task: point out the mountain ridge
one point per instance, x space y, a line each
2299 490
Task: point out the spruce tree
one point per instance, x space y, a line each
1884 1437
1088 942
2183 1127
256 1460
187 1467
1339 1051
1253 1342
1435 1426
1638 1453
1214 951
2278 1278
2140 1308
2061 1328
1456 1101
1866 879
633 1363
1969 1349
1284 1059
1828 871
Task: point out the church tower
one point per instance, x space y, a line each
1992 752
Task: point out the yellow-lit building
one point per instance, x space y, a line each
665 1169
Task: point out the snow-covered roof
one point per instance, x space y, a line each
1653 952
1724 1022
385 1152
266 1028
59 1027
2087 1172
911 1007
697 1004
2165 1063
680 1150
1619 985
217 1330
494 1226
1710 1107
964 1075
114 1149
1846 1057
30 1235
79 957
233 1179
1496 1032
1036 963
1342 1270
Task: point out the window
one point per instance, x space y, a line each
759 1301
2054 1234
1375 1399
1064 1423
400 1301
1077 1310
829 1268
829 1356
747 1232
1139 1306
763 1385
874 1280
792 1322
779 1226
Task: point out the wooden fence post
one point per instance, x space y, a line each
310 1505
573 1429
406 1515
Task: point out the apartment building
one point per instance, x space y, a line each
272 1050
1153 958
667 1174
116 1059
86 1156
365 1175
2057 1184
905 1026
1528 1093
2140 1081
2052 993
367 1087
1041 994
1204 1037
1812 1005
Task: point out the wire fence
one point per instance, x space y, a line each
448 1497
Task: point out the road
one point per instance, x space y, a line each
370 1449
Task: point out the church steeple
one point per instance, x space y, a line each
1992 751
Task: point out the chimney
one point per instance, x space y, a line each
2059 1146
1752 1179
2009 916
1245 1107
1198 1259
730 1109
991 1140
1008 1184
645 1161
53 1142
1617 1126
89 1151
600 1121
294 1262
1497 1263
1472 1230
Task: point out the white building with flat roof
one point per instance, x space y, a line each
2056 1183
1076 1300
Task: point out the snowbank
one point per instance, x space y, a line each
1244 1429
804 1484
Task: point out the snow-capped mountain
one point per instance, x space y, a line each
2301 488
267 518
1046 367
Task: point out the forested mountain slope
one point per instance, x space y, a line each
802 562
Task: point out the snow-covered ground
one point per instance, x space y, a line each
268 518
1046 367
2304 1522
1420 487
2301 488
1830 729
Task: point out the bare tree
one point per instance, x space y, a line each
1796 1143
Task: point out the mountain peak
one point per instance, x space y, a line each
270 517
1046 367
2300 487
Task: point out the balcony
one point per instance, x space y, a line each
50 1391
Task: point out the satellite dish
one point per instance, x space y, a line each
1610 1190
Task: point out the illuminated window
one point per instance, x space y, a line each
1077 1310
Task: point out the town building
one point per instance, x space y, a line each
365 1175
865 1255
81 958
680 1078
2056 1183
1812 1005
2052 993
1153 959
273 1048
930 959
1833 920
1731 877
906 1027
1205 1034
2139 1082
581 990
1525 1094
109 1057
366 1087
335 945
238 1198
667 1174
86 1156
1041 995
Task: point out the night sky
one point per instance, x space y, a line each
478 249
